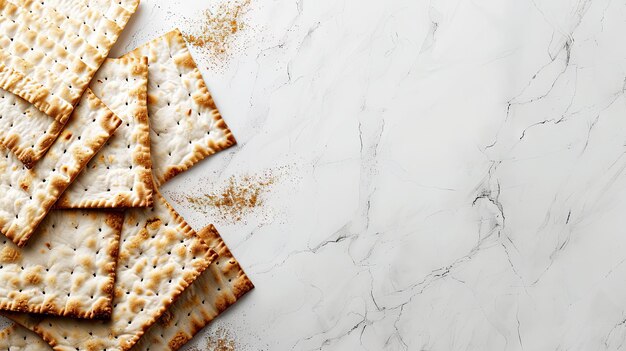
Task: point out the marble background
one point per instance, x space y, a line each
445 174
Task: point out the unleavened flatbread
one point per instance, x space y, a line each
49 51
18 338
68 267
185 124
28 194
216 289
120 174
160 255
48 59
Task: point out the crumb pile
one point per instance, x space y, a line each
238 198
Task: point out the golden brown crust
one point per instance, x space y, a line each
188 278
30 156
136 130
212 238
39 260
55 23
17 78
146 230
38 95
39 206
118 201
178 341
114 220
203 98
217 288
215 134
199 155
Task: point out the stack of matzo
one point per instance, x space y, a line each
93 257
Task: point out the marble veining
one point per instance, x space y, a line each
449 175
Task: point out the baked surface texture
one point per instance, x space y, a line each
67 269
49 52
160 256
185 124
119 175
18 338
29 194
216 289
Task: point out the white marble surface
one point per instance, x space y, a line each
449 174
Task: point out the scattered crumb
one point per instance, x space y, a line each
220 340
215 33
256 199
235 200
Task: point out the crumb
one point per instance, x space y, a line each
236 200
216 31
220 340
